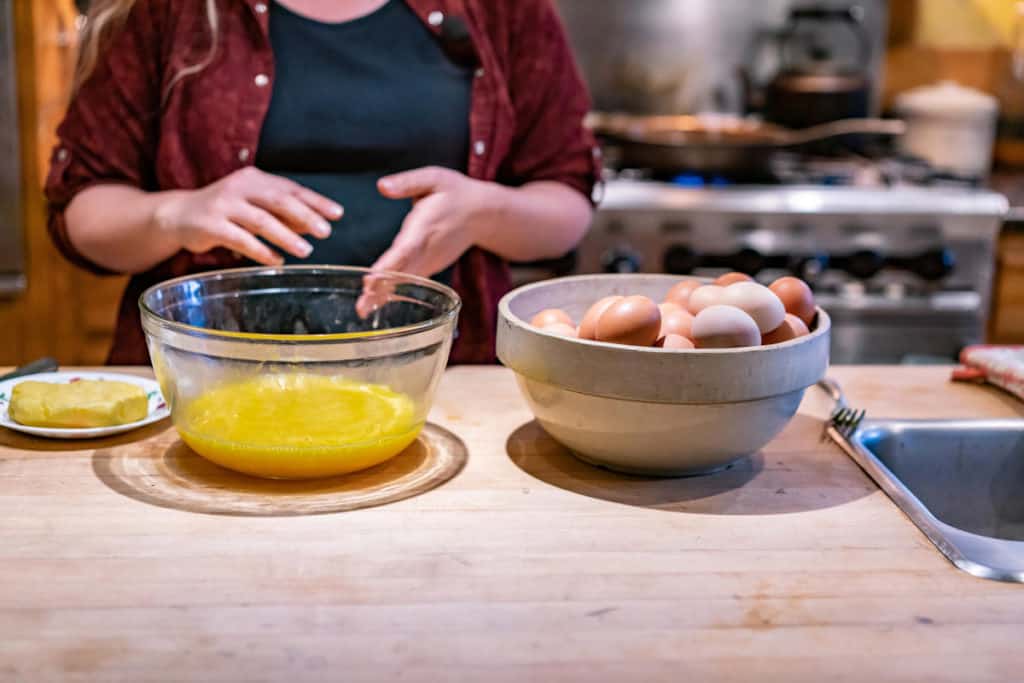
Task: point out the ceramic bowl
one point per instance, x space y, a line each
651 411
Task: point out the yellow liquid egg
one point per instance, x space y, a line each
299 426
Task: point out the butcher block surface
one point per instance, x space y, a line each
129 559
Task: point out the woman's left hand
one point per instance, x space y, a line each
447 216
540 219
444 222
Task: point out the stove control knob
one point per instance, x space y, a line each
680 260
863 264
809 267
747 260
621 261
933 264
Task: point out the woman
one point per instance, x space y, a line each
215 133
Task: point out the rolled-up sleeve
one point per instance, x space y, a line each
110 131
550 101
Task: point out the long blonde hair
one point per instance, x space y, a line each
106 17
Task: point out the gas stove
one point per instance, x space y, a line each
904 270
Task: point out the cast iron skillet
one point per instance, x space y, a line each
719 144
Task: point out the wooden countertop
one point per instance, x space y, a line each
527 565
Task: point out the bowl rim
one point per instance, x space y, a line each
650 374
822 319
449 314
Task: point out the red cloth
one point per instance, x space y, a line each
528 104
1001 365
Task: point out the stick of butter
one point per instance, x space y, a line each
82 404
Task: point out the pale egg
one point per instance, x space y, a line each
704 296
723 327
757 301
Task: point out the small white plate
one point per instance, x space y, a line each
157 407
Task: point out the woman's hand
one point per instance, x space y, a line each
448 214
247 203
451 213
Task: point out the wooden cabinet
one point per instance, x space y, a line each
63 312
1008 313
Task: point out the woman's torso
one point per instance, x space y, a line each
125 125
344 112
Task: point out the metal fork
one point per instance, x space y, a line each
844 419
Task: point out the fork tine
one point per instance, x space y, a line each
840 417
852 422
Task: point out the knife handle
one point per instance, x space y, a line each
35 367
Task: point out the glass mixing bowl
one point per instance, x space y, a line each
272 372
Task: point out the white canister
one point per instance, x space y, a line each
950 126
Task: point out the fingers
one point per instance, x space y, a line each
400 257
325 207
255 184
297 215
242 241
377 291
416 183
407 252
264 224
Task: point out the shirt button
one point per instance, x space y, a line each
261 80
261 8
243 154
435 18
479 73
62 154
479 148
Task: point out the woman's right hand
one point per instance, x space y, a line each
248 203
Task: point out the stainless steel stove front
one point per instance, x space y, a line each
906 272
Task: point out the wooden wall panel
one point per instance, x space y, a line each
64 312
1008 321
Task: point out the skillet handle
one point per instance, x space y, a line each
823 131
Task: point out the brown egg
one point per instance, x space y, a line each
675 341
675 321
757 301
704 296
633 320
723 327
796 297
791 328
667 306
588 326
732 278
561 328
680 293
550 316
